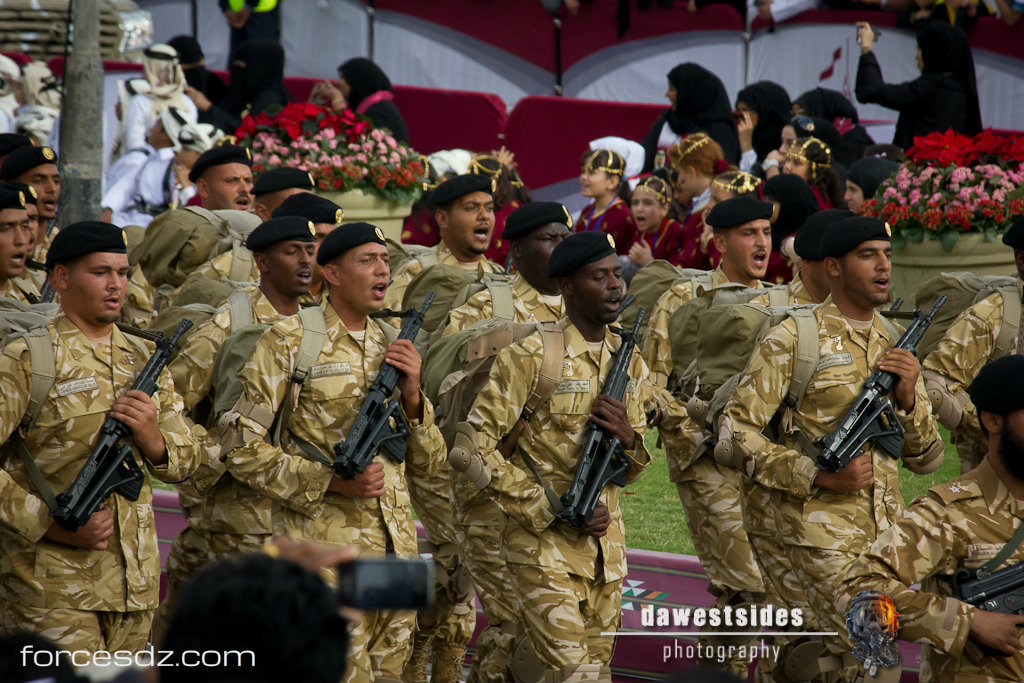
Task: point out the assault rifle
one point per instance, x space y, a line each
111 466
602 460
373 430
872 416
999 591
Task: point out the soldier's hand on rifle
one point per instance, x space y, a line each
610 415
137 410
598 524
92 536
404 356
904 365
368 484
855 476
997 630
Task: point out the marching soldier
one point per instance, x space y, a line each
94 588
276 185
567 581
372 510
325 216
223 178
969 343
826 519
16 234
233 518
971 522
37 166
464 210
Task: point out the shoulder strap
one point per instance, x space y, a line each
390 332
1008 331
205 213
502 300
892 328
240 310
701 279
314 332
806 355
44 376
778 296
241 262
427 258
1005 551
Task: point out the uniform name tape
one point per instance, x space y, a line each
835 359
573 386
330 370
77 385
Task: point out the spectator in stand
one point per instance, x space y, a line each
1010 12
864 178
944 96
890 152
660 236
162 71
193 65
696 160
505 201
699 104
193 140
602 178
251 21
41 110
763 109
257 82
792 201
363 87
813 127
11 93
834 107
811 160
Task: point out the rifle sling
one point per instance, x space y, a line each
1006 550
314 331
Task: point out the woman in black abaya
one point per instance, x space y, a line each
699 104
835 108
257 75
764 108
364 88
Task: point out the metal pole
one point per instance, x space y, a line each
81 121
558 56
195 19
371 13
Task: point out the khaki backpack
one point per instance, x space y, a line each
445 282
399 253
649 283
180 240
239 306
963 290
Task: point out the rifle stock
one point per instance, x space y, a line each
111 467
379 424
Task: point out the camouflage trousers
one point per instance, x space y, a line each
710 494
379 645
564 615
74 629
481 554
187 557
450 621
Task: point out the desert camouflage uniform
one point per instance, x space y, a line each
39 253
957 525
403 275
230 518
967 346
823 530
140 299
478 529
326 407
21 289
709 492
82 599
567 584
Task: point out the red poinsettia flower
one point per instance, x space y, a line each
949 148
987 142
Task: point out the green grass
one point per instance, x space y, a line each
654 515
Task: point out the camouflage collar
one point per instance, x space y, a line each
997 496
835 322
75 341
576 345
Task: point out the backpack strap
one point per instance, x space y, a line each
701 280
502 299
427 258
547 380
44 376
240 310
1009 330
807 351
241 262
314 332
778 296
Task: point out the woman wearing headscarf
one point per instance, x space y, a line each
162 71
364 88
944 96
764 110
193 64
257 75
699 104
864 178
792 202
835 108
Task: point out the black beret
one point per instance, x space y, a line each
85 237
843 235
278 230
807 243
282 179
31 197
529 217
11 198
461 185
1014 237
25 159
310 207
346 237
12 141
218 156
578 250
737 211
997 388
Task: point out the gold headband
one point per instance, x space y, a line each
614 157
648 184
691 144
743 183
476 168
796 153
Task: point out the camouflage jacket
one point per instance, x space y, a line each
21 289
325 408
957 525
412 267
532 535
808 515
40 573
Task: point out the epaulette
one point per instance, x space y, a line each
958 489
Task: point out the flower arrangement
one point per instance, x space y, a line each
953 184
343 151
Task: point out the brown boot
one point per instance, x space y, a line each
415 670
448 662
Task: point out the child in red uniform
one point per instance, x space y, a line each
696 160
660 236
601 178
811 159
